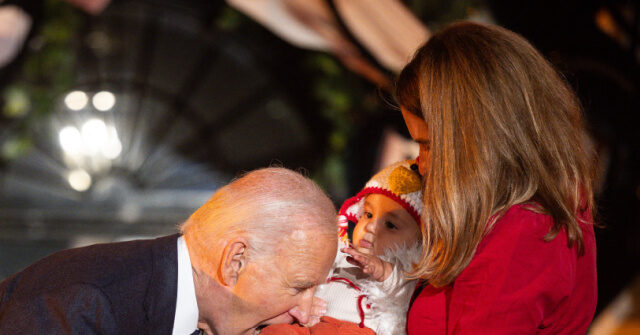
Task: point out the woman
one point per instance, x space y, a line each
508 244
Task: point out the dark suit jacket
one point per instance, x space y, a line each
115 288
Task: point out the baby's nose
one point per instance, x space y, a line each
372 226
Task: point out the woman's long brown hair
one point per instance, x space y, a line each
505 129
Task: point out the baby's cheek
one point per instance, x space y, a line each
411 238
386 242
358 232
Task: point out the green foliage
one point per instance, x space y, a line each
49 69
16 102
47 72
15 147
437 13
229 19
343 98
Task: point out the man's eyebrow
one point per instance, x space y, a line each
304 283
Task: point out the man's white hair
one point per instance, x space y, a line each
266 206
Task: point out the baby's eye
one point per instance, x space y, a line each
368 215
390 225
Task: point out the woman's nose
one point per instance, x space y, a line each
423 161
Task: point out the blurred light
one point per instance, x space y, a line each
94 134
112 148
103 101
76 100
79 180
70 140
99 41
130 212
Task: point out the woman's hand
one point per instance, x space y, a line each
372 265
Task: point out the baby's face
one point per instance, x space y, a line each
383 224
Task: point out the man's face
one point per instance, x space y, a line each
280 288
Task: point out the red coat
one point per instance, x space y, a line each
515 284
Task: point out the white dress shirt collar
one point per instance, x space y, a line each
186 318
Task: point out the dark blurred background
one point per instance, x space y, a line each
119 118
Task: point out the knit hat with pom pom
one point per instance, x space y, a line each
400 182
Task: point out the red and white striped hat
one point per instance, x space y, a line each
400 182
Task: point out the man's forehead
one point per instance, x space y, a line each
299 235
306 263
305 275
307 244
305 258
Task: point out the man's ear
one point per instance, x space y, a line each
234 260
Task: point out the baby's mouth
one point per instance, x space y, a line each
365 244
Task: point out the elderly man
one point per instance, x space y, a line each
252 255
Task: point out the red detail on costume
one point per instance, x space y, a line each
348 203
361 310
342 231
347 281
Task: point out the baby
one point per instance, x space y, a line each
366 292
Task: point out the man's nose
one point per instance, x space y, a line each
301 312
